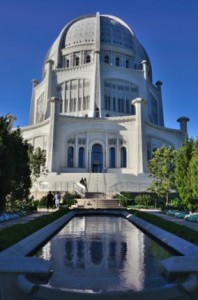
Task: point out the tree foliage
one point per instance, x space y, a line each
21 179
182 176
18 165
6 161
193 175
37 161
162 167
193 170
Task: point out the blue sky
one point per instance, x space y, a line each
168 29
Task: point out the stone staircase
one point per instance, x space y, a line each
94 195
108 203
97 201
97 183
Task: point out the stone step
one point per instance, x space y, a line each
98 203
94 195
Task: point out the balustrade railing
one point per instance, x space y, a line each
44 186
128 187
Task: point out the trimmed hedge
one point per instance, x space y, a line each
13 234
179 230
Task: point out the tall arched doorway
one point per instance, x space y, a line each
97 159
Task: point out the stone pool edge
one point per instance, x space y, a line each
15 264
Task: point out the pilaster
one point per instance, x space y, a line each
32 106
48 88
160 106
140 153
97 83
54 112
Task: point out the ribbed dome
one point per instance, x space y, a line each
82 31
116 32
91 30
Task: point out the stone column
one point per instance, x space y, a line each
48 80
76 163
97 84
32 109
106 166
140 153
183 124
160 106
117 152
10 121
145 68
87 153
51 153
64 96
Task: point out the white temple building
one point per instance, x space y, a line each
96 112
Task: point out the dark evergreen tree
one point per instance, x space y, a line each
19 163
6 161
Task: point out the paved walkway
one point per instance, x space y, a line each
22 220
25 219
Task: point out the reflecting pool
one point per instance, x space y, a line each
103 253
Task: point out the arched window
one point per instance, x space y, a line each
88 59
77 60
67 63
106 59
81 157
112 157
117 61
123 158
70 157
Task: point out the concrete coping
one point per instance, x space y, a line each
181 264
25 265
21 264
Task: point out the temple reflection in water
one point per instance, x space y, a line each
99 253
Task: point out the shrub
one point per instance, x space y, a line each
143 200
177 203
69 199
43 201
124 199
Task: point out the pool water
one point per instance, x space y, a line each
103 253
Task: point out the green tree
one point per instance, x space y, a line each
161 168
182 176
21 181
14 164
37 161
193 175
19 163
6 161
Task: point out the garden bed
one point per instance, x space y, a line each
6 216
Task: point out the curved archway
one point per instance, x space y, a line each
97 158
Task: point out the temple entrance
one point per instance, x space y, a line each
97 159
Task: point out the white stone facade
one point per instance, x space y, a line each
96 109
